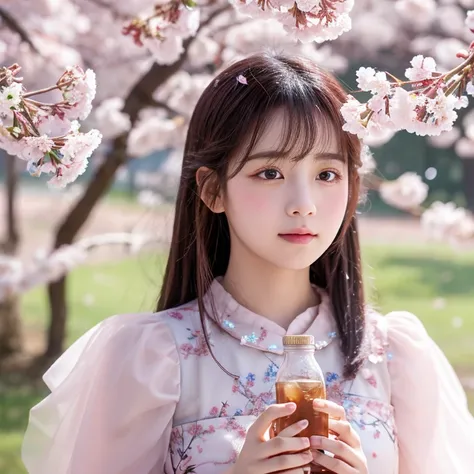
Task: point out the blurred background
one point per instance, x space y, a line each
119 213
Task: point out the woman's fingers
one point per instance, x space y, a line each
335 465
286 462
344 432
294 429
332 409
279 445
341 451
271 413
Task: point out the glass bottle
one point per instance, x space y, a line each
300 380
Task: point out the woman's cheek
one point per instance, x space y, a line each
337 196
251 199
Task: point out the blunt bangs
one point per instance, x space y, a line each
311 115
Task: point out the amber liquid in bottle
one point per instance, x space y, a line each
303 392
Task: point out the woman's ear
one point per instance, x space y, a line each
209 190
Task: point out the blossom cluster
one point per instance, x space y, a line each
46 135
305 20
426 107
172 22
447 222
163 32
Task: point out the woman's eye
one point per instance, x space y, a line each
328 176
269 174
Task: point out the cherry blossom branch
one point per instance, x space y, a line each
316 20
41 91
428 108
47 135
16 278
163 32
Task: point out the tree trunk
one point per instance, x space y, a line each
468 182
11 337
139 97
10 321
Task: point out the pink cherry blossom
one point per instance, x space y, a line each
423 68
79 89
445 221
10 97
406 192
34 148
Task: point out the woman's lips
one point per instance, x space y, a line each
298 238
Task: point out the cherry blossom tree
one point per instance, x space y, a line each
149 79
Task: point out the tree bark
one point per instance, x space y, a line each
139 97
468 182
10 321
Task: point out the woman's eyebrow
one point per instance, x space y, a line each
329 156
276 154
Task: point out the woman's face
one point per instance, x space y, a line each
286 212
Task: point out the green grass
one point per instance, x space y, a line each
96 292
412 278
436 284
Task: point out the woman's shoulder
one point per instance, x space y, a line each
394 324
398 332
123 341
150 324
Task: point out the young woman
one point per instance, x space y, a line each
264 244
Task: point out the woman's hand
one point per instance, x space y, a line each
347 449
261 455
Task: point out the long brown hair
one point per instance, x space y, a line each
233 112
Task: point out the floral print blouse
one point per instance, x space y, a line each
141 393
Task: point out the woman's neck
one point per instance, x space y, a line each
278 294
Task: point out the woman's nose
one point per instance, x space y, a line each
301 204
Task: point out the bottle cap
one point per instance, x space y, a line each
298 340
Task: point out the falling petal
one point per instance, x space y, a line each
439 303
242 79
457 322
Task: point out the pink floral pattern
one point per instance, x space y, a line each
377 341
256 402
188 442
361 411
195 346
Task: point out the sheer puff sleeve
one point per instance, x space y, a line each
113 396
435 428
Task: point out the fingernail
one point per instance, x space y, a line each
303 423
318 402
316 441
291 405
306 442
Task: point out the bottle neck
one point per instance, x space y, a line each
299 349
